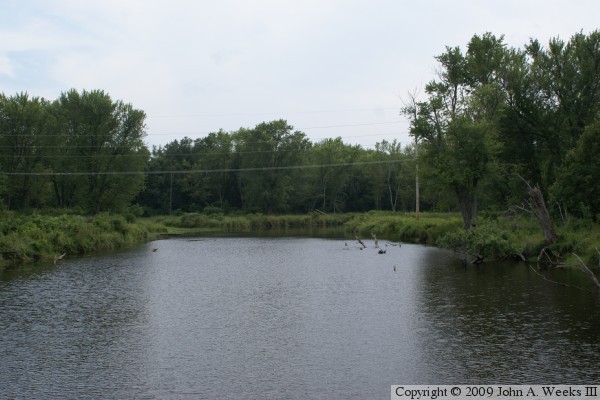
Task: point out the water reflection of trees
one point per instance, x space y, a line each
502 323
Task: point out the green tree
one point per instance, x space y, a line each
394 178
167 183
22 128
215 154
552 93
330 180
265 155
457 125
577 184
103 149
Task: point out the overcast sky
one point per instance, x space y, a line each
329 67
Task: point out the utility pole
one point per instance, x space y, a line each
416 178
412 107
171 194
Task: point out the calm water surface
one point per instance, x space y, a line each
289 318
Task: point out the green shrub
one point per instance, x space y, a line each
211 211
483 240
192 220
35 237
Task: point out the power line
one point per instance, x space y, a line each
203 171
297 129
68 146
152 155
149 155
351 125
269 113
209 132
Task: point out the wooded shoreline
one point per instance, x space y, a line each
506 137
28 238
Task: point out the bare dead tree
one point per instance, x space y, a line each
538 206
538 203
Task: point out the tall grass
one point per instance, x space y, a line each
385 225
249 222
26 238
428 229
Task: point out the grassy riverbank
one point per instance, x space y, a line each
30 238
385 225
495 236
37 237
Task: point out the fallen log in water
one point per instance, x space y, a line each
360 241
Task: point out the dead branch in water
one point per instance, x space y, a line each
587 271
548 280
478 259
375 239
558 283
545 258
360 241
57 258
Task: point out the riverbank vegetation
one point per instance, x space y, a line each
498 236
383 224
44 237
493 123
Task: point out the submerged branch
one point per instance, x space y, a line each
587 271
555 282
360 241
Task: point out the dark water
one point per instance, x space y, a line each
258 318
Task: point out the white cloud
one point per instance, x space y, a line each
6 67
232 63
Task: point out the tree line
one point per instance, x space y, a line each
86 151
493 118
273 168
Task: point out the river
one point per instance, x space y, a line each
287 318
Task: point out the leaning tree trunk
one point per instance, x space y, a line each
539 206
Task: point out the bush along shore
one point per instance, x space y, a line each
32 238
28 238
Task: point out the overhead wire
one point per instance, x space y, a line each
153 155
75 146
196 133
201 171
201 115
